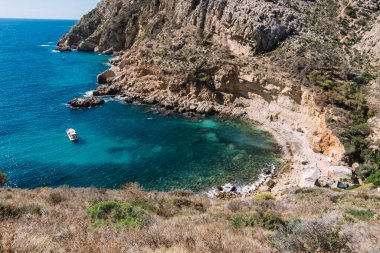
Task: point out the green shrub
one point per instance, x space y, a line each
364 78
263 196
122 214
374 178
3 179
263 219
351 11
365 186
364 215
320 79
352 187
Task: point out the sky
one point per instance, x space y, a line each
46 9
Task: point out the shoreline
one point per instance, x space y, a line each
289 125
244 190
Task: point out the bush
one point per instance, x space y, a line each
351 11
237 205
365 186
56 198
363 78
267 220
186 203
122 214
9 211
364 215
320 79
3 179
352 187
312 236
263 196
182 202
374 178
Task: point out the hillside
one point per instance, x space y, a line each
305 71
130 220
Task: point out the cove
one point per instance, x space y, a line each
118 143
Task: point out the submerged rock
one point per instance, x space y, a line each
85 102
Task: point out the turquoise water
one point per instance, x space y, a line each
118 143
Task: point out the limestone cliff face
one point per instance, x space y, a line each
322 140
370 42
248 26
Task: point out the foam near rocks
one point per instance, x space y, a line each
88 94
242 190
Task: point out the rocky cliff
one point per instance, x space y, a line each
290 65
115 25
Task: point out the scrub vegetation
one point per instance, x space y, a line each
132 220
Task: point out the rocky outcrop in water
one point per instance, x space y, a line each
63 49
85 102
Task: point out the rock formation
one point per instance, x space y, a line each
85 102
250 27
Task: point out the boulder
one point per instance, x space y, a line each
177 45
270 183
63 49
267 171
355 166
226 79
85 102
228 188
340 172
205 108
309 178
325 181
86 46
106 77
108 51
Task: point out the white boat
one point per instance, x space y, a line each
72 134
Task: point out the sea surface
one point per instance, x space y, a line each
118 143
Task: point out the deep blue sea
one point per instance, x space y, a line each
118 143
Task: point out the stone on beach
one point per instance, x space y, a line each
325 181
309 178
340 172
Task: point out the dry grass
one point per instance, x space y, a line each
57 220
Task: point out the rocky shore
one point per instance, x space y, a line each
259 61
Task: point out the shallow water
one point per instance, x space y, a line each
118 143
